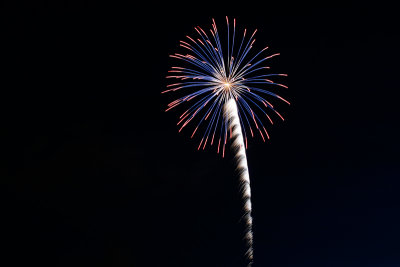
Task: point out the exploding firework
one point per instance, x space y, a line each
228 88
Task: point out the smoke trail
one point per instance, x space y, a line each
232 116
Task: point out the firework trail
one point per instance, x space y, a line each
232 116
228 83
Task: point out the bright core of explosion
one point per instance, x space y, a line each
227 86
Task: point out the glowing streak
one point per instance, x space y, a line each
238 146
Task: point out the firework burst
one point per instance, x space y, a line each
226 89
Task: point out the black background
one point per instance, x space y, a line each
94 172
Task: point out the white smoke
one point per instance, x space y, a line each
232 116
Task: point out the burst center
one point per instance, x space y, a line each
227 85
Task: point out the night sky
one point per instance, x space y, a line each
95 173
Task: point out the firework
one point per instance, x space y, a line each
226 87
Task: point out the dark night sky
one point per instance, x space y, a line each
94 173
